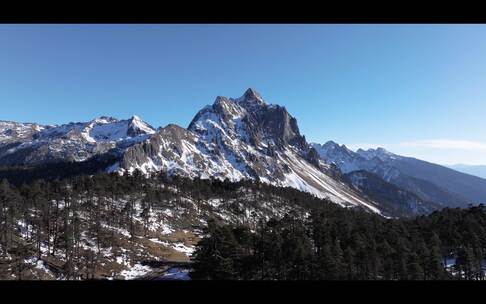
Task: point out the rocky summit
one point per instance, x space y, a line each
241 138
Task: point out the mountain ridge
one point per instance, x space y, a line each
431 182
234 139
75 141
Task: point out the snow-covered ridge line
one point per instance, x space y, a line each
36 144
234 138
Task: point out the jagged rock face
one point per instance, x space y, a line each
242 138
32 144
251 120
268 128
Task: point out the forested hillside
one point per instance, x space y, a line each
108 226
112 226
339 244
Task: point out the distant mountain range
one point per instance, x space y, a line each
477 170
246 138
31 144
430 182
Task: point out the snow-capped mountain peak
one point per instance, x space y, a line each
241 138
76 141
136 126
104 120
251 95
333 153
430 182
102 129
380 153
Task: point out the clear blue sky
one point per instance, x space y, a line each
415 89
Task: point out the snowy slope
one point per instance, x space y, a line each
34 144
430 182
17 132
339 155
241 138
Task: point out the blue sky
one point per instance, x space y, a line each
418 90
